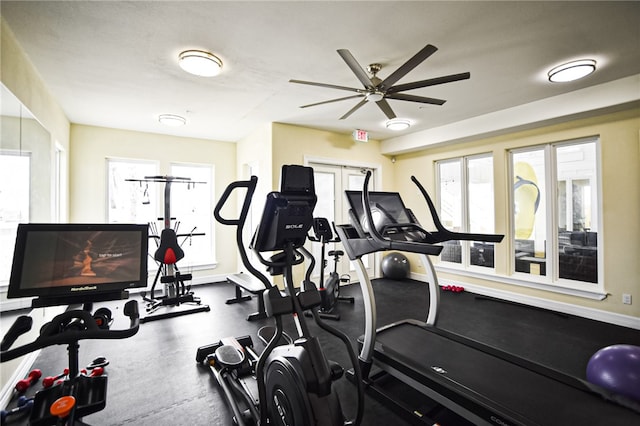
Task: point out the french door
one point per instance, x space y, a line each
331 181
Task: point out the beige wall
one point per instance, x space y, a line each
292 144
22 79
620 235
91 146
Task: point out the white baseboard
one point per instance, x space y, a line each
565 308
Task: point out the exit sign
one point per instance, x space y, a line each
360 135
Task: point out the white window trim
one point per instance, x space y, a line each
465 262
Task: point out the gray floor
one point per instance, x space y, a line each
154 379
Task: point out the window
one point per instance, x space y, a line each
192 206
131 202
529 211
465 197
555 212
15 190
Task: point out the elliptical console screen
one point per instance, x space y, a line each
58 260
288 214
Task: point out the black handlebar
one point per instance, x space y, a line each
239 223
58 331
251 187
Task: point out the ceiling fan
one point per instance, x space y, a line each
378 91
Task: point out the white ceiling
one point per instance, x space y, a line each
114 64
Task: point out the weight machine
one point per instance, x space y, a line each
168 253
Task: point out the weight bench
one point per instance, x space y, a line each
248 283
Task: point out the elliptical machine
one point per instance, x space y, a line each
287 384
329 293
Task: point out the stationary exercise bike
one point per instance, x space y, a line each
74 264
329 292
290 382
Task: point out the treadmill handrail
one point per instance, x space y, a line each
386 243
443 234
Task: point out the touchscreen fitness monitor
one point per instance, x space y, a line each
288 214
63 264
387 209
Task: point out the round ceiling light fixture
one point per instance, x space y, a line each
172 120
398 124
571 71
200 63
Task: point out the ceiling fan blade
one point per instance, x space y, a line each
330 86
386 108
354 109
429 82
332 100
413 98
416 60
356 68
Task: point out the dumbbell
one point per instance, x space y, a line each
24 384
97 371
47 382
24 405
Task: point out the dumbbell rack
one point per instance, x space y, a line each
90 395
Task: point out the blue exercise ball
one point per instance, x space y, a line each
395 266
617 369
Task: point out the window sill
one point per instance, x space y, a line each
593 293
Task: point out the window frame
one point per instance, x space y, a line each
465 215
552 247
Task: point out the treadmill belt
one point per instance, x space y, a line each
490 385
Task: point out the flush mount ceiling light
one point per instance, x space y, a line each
398 124
172 120
374 96
201 63
571 71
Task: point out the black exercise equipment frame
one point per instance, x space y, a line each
275 371
68 328
329 292
176 292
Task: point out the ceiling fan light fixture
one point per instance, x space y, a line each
374 96
572 71
172 120
398 124
200 63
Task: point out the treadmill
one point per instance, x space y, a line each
452 379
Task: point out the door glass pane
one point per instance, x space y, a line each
325 191
577 212
481 208
529 212
450 197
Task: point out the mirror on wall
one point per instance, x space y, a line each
26 176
